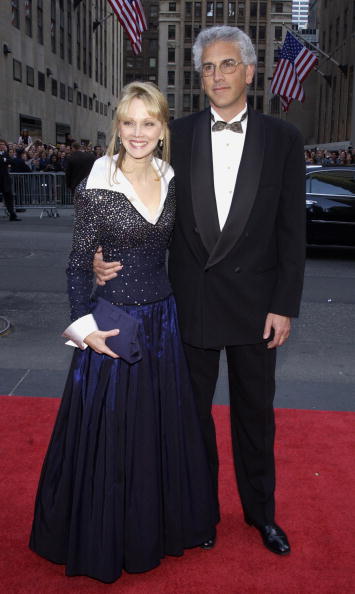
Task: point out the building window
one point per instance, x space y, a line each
278 33
261 56
196 81
197 29
279 6
101 108
241 9
30 76
97 106
188 31
153 11
262 32
188 9
171 32
231 10
78 98
78 44
70 94
54 87
152 62
186 102
187 78
276 55
259 103
210 10
195 102
153 45
262 9
69 32
28 18
62 90
219 11
105 109
260 80
61 28
40 21
171 55
53 26
171 100
41 81
172 6
252 32
90 103
84 42
33 125
171 78
253 9
85 101
17 70
198 12
187 55
15 13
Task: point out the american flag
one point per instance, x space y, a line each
130 13
295 62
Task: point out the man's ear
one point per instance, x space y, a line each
249 73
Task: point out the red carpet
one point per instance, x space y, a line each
315 496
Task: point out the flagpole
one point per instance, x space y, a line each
342 67
97 23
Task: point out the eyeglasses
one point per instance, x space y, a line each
227 66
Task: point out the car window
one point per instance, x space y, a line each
333 182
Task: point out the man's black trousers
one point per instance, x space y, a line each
251 373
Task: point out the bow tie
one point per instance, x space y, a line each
234 126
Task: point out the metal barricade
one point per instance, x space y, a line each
45 191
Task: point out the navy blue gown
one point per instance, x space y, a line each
125 480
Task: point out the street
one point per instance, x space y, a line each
315 368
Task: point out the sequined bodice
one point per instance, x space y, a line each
107 218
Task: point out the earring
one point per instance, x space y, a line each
161 143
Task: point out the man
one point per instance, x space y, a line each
5 181
236 260
79 165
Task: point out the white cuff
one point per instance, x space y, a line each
79 330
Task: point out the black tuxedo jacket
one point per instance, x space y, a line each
78 167
226 282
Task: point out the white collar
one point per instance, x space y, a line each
237 117
101 178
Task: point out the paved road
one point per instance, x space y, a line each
316 369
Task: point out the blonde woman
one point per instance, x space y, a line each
125 480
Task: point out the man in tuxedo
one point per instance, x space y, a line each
78 166
236 260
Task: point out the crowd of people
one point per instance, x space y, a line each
27 155
329 158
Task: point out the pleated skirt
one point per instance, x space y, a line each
125 480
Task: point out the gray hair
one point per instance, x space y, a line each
223 33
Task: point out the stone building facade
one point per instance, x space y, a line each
335 110
59 75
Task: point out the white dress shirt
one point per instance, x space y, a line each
102 177
227 149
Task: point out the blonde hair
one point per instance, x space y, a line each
157 107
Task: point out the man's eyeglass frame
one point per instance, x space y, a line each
225 67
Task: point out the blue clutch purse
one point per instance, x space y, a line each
125 344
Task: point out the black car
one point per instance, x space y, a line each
330 201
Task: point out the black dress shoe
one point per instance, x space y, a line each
273 536
208 544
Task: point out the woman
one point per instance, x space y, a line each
125 480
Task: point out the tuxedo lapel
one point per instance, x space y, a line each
245 189
202 183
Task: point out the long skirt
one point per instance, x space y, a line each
125 480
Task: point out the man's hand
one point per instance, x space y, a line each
281 326
104 271
97 342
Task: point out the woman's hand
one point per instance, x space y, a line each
97 342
